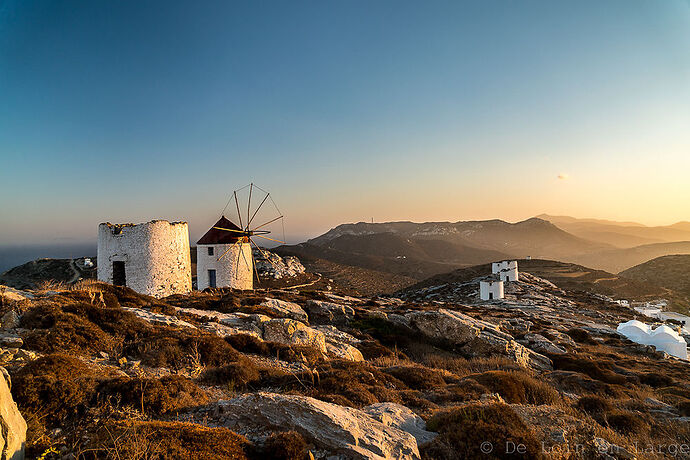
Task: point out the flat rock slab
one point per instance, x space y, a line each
341 430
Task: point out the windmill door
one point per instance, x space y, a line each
212 278
119 278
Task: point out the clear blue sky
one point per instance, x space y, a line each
396 110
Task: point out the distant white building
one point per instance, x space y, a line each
491 290
682 319
663 338
506 269
224 258
652 312
152 258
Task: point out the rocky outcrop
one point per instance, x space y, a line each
13 434
271 265
476 337
158 318
395 415
289 331
349 432
286 309
444 325
541 344
321 312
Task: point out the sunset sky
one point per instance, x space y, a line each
128 111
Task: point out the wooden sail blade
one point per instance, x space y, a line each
228 250
231 230
237 204
271 239
263 254
257 210
249 202
269 222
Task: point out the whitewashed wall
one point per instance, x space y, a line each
156 256
234 270
493 287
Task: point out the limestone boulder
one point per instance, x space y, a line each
292 332
343 350
340 344
476 338
490 344
158 318
10 320
344 431
395 415
541 344
286 309
13 434
445 325
321 312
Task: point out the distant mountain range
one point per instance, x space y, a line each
420 250
620 234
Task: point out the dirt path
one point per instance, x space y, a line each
77 273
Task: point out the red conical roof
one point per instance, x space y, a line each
216 236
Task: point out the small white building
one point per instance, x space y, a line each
652 312
152 258
491 289
224 258
663 338
506 269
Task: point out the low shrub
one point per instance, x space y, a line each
580 335
517 387
238 375
57 386
464 432
594 405
286 445
656 379
628 423
163 440
290 353
417 377
57 331
158 396
174 349
599 369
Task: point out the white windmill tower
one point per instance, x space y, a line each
224 254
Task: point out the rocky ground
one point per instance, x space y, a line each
103 372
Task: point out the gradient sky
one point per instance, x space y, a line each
345 111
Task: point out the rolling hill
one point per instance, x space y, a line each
672 272
571 277
617 260
532 237
620 234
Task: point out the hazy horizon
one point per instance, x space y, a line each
446 111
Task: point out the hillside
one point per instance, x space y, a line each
534 237
313 374
421 250
567 276
617 260
620 234
672 272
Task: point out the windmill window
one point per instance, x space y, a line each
210 250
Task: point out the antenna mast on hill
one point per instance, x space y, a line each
247 230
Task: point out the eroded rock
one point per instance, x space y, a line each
286 309
342 430
13 434
292 332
